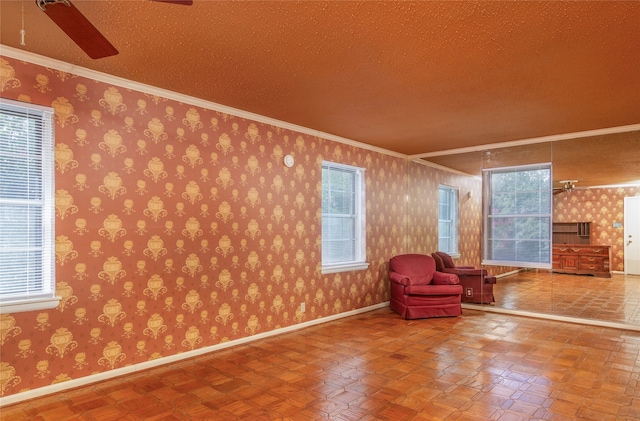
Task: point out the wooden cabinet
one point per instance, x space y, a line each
582 259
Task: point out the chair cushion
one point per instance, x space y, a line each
447 260
434 290
439 262
420 279
418 267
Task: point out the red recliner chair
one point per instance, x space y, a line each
419 291
476 283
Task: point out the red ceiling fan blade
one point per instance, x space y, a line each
78 28
183 2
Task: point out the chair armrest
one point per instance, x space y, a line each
398 278
466 272
465 267
441 278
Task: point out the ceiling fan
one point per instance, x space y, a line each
64 14
566 186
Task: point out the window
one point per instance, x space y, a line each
448 220
517 216
27 280
343 218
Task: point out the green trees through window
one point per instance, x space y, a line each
518 203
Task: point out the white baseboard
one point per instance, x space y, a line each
94 378
513 272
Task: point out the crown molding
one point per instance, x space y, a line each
33 58
443 168
530 141
137 86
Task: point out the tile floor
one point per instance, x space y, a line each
377 366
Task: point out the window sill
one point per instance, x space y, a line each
345 267
29 305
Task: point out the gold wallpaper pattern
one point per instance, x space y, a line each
179 227
423 219
602 207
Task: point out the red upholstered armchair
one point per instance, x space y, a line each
477 284
418 291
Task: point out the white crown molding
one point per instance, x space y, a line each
137 86
613 186
29 57
443 168
530 141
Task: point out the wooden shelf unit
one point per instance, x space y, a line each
571 233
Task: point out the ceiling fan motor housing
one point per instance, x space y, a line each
42 4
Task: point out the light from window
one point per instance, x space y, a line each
27 280
517 216
343 218
448 219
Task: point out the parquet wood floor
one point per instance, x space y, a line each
615 299
377 366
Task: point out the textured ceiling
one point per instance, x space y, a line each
411 77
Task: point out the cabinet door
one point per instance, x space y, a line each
570 262
556 262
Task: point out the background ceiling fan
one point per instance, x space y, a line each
566 186
80 30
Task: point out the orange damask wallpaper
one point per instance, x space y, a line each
423 219
179 227
602 207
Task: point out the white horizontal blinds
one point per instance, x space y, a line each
447 219
339 214
26 202
518 216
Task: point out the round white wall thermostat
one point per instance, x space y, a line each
288 161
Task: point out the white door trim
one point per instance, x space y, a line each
631 233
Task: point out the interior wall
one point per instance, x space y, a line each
603 207
422 211
179 227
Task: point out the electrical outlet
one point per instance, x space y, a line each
469 292
302 307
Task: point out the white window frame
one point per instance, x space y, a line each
451 195
40 289
357 261
491 212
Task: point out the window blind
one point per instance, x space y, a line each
517 216
26 202
448 219
343 219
